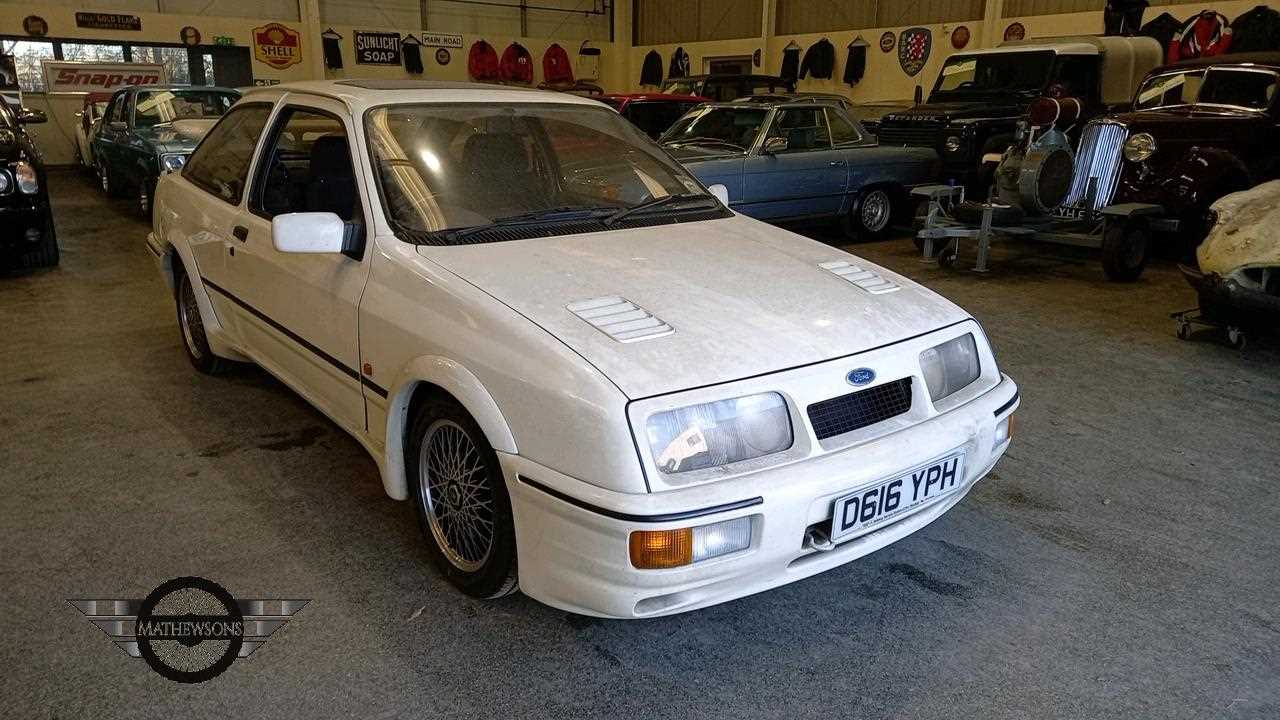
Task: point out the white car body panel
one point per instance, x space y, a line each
564 404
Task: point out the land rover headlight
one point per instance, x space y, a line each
950 366
953 144
718 433
172 162
27 180
1140 147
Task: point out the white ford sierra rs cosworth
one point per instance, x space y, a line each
591 378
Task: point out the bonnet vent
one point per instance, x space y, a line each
620 319
865 279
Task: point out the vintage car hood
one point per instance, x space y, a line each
742 297
945 112
1245 234
1193 126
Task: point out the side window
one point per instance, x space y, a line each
842 131
306 168
221 163
116 113
1078 77
804 129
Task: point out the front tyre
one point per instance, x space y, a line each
461 500
872 216
146 194
44 252
194 340
1124 252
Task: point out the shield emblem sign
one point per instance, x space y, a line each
914 47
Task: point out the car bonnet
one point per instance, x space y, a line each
740 299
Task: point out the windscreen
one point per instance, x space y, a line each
994 74
157 107
447 167
732 127
1222 87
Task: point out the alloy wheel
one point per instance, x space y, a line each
457 500
189 318
876 210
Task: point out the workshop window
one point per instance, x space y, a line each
92 52
174 59
27 55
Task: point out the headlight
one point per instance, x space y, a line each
26 177
950 366
172 163
953 144
1140 147
5 183
719 433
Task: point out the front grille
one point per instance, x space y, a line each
910 135
864 408
1098 162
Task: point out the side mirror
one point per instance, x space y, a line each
308 232
26 116
919 96
775 145
721 193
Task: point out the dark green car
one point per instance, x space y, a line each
150 131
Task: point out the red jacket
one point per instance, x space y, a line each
555 65
482 62
516 65
1205 35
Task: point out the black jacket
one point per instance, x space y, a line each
651 73
679 64
819 60
790 65
1124 17
856 66
1256 31
1164 29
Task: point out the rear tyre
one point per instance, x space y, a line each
45 252
194 340
461 500
1124 252
871 217
107 181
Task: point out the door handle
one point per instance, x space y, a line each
836 163
240 233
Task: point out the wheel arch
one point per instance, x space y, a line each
420 379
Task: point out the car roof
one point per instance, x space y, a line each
632 97
171 86
1270 60
363 94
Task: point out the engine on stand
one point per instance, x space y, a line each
1036 172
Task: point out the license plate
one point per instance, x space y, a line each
880 504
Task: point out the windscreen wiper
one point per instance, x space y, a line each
661 202
564 212
706 141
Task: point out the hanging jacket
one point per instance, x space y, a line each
819 60
412 52
790 65
556 67
1256 31
1123 17
651 73
1205 35
1164 29
856 66
516 64
679 64
332 52
482 62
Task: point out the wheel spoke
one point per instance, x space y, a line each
457 494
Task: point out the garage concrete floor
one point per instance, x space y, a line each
1122 561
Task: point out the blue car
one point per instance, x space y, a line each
801 160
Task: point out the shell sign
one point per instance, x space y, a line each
277 45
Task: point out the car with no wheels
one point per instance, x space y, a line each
801 159
589 376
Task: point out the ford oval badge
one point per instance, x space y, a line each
861 376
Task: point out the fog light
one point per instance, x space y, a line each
1004 431
658 549
953 144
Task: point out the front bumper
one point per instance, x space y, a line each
573 537
23 225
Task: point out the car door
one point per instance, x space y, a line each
299 312
108 133
210 200
807 179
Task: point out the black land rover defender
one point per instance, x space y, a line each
972 113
